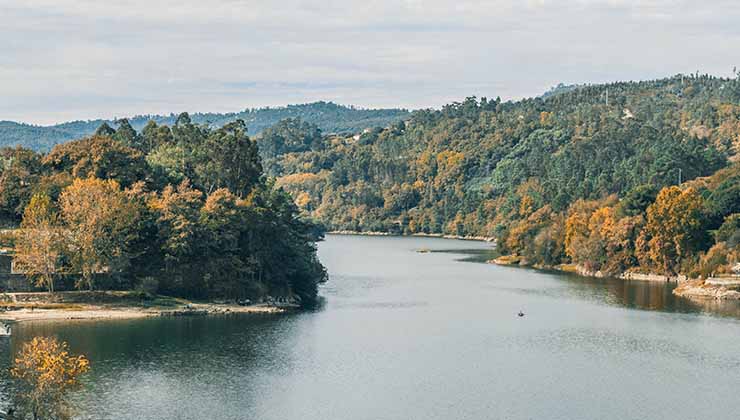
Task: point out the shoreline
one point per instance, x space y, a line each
41 306
686 288
102 313
417 235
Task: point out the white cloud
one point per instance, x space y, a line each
62 59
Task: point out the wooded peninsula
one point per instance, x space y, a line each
182 211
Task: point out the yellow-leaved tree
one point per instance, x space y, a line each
46 372
674 228
577 230
100 217
39 242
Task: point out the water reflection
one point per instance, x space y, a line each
405 335
170 362
648 295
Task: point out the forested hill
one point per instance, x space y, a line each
330 117
582 175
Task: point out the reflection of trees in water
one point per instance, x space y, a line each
722 307
479 255
5 360
172 355
650 295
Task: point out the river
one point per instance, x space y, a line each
407 335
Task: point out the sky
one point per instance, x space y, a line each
63 60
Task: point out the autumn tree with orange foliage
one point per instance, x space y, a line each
674 228
100 157
100 217
45 373
521 238
577 232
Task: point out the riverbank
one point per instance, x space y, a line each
687 288
62 306
513 260
420 235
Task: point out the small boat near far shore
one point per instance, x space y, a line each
5 329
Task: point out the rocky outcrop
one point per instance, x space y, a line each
633 275
583 271
702 290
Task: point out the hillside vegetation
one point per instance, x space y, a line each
587 175
330 117
182 210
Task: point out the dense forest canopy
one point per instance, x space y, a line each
330 117
182 210
586 174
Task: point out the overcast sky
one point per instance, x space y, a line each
84 59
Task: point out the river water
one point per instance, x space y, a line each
407 335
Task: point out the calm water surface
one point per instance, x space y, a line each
406 335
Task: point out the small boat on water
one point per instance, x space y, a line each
5 330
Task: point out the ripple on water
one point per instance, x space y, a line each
609 343
381 305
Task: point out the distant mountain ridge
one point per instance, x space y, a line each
330 117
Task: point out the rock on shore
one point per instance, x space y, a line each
702 290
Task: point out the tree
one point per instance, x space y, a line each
154 135
21 169
46 372
127 135
105 130
228 158
39 243
282 244
177 211
186 134
228 269
637 200
168 160
729 231
674 227
725 197
99 216
287 136
577 230
714 261
100 157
